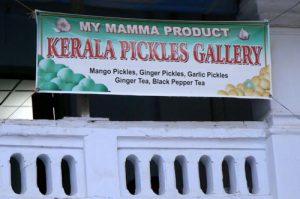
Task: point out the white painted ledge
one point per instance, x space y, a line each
100 149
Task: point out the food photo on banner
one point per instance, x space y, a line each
117 56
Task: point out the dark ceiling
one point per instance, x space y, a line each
18 29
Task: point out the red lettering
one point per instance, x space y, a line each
153 51
210 54
139 50
64 47
237 54
183 49
256 50
97 49
247 55
52 46
199 57
163 51
124 49
109 49
174 51
133 50
227 54
76 44
219 60
88 49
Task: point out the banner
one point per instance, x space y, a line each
99 55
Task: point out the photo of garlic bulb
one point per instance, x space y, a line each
256 86
62 25
243 34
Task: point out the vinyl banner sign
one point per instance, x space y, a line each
98 55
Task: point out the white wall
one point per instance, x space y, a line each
100 149
283 143
283 148
285 54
